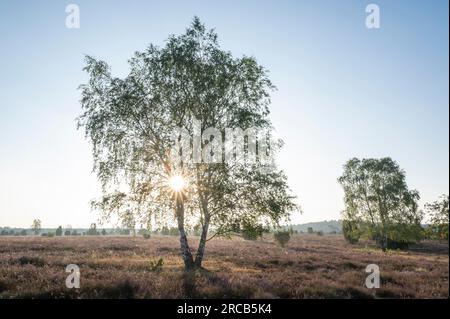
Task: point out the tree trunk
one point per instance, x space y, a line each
202 244
384 242
184 246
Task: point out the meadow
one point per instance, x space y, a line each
309 266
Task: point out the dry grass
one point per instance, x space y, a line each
309 266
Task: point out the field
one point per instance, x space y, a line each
310 266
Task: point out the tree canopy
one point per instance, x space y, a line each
378 203
438 211
132 124
36 226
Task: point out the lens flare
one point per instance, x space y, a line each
177 183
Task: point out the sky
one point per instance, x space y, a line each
343 91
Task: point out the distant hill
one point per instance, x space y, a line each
324 226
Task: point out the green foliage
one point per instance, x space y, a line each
310 230
36 226
319 233
282 237
378 203
146 235
92 231
59 231
351 232
131 122
251 231
438 213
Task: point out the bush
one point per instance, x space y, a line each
92 231
310 230
319 233
36 261
67 233
156 266
282 237
252 232
59 231
146 235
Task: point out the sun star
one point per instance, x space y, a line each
177 183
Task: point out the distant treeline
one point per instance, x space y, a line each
92 231
326 227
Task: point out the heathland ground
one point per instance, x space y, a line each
309 266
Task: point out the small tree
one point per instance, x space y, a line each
131 123
438 212
282 237
310 230
59 231
103 232
379 204
92 230
36 226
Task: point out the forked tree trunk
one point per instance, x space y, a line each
202 243
184 246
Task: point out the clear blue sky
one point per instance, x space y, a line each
343 91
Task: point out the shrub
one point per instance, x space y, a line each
282 237
156 266
319 233
252 232
92 231
59 231
67 233
310 230
146 235
36 261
